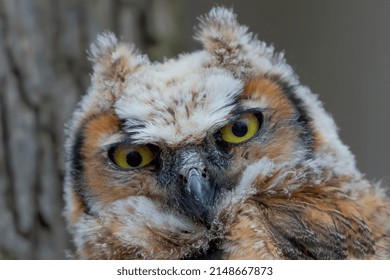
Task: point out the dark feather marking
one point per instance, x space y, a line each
301 238
303 119
213 252
77 169
76 158
298 241
132 125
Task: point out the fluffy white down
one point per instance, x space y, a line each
207 94
132 216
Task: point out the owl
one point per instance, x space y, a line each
216 154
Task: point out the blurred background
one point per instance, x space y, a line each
340 49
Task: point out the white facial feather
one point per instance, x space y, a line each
133 217
264 167
332 154
183 109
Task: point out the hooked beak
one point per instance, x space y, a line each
198 193
197 186
201 196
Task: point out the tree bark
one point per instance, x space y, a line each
43 74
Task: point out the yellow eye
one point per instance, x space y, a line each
242 129
128 157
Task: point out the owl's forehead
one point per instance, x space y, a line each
177 101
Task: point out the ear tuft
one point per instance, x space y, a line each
224 38
105 44
114 61
220 24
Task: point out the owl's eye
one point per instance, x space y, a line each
242 129
128 157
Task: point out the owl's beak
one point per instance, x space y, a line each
197 193
197 186
200 195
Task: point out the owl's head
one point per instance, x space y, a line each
157 150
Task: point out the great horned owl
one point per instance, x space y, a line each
219 154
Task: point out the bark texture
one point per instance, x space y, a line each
43 74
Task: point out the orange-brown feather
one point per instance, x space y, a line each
97 174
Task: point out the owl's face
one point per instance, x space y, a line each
185 139
161 150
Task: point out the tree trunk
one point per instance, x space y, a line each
43 74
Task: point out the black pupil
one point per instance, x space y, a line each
134 158
240 129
